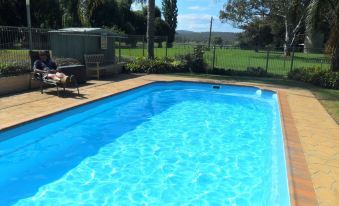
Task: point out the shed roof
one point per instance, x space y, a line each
78 29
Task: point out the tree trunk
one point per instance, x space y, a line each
287 49
160 44
150 29
335 59
334 42
334 48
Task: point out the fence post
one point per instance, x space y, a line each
267 58
119 50
143 46
213 57
292 60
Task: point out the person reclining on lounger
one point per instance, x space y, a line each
48 68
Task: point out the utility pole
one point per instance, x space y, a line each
209 39
29 25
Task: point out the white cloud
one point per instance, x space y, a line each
197 8
194 22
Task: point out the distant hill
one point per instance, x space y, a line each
202 37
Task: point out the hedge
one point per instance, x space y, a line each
316 76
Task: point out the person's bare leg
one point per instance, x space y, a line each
60 75
64 78
54 77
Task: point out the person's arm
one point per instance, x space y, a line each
52 66
38 67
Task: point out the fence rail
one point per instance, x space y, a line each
14 47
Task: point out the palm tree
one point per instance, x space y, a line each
318 10
150 26
78 12
150 29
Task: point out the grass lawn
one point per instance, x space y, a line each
241 59
18 56
329 98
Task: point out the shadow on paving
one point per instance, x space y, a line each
16 99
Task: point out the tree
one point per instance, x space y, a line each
315 12
150 29
70 17
157 12
86 9
257 34
161 29
13 13
243 12
170 12
106 15
218 41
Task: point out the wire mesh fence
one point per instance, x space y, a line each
15 42
274 61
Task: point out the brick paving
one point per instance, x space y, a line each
311 135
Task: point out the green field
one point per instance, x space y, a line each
239 59
18 56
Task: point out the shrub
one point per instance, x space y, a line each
316 76
194 62
184 63
124 59
250 71
155 66
13 69
256 71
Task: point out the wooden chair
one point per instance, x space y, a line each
38 76
94 64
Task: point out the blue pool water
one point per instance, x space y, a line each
161 144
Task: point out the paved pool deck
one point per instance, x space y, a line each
311 135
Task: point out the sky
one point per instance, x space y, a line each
195 15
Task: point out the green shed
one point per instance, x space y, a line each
76 42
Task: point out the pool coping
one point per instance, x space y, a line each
300 184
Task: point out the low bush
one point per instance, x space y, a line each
124 59
155 66
316 76
250 71
13 69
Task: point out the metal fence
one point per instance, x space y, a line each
15 44
273 61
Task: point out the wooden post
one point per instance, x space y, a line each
213 57
210 35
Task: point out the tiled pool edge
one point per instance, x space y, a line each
299 179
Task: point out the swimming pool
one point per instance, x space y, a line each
165 143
